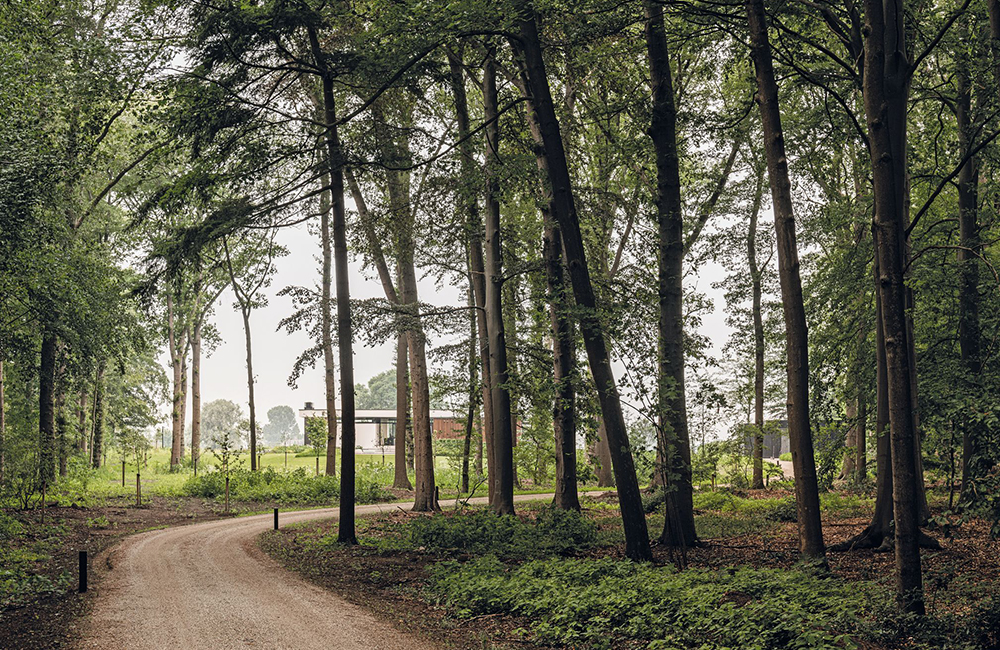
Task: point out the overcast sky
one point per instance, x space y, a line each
224 372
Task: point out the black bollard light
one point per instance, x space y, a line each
83 572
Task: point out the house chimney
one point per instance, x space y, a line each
309 406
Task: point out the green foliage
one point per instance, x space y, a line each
297 487
594 603
787 457
551 532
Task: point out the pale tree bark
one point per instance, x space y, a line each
886 88
82 437
756 285
503 431
796 343
848 466
674 441
564 211
176 346
184 383
473 385
329 365
196 392
345 334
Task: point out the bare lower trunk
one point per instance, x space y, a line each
847 467
756 281
674 442
471 413
564 211
176 347
62 429
329 365
503 433
605 473
196 393
250 388
969 337
886 87
401 479
796 343
564 357
82 438
47 409
97 448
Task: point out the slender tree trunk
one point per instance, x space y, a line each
886 87
633 518
81 426
345 333
62 434
503 431
245 311
796 337
176 347
196 392
97 448
47 409
861 440
401 479
564 359
471 416
674 442
969 337
329 365
847 467
756 281
605 472
476 259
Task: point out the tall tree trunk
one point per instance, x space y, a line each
674 442
329 365
796 337
196 392
401 479
97 448
82 436
345 333
47 408
969 337
476 258
633 518
176 347
503 430
756 281
605 472
245 312
62 433
861 440
564 361
471 415
848 468
886 88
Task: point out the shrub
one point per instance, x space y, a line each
296 487
787 456
552 532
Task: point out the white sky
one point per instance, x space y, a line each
224 372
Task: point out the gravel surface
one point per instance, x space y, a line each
209 586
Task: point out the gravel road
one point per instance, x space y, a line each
209 586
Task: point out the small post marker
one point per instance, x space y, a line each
138 490
227 495
83 572
317 466
276 519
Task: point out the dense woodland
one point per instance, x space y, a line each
569 168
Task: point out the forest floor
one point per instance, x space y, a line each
400 576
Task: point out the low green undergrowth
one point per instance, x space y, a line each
20 556
295 487
550 532
605 603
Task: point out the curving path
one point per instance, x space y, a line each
209 586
